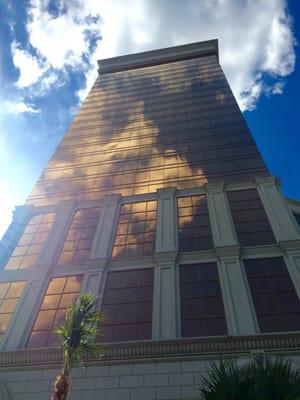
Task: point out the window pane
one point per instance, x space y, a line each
79 240
10 293
202 310
61 293
127 305
30 244
275 300
135 235
250 220
194 226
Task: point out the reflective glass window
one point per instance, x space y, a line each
79 240
250 219
10 293
275 300
194 229
202 309
61 293
174 124
127 305
135 235
31 242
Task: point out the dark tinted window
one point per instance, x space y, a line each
127 305
249 217
202 310
275 300
193 224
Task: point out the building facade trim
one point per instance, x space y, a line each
187 348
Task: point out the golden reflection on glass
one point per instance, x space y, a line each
135 235
10 293
175 124
31 242
61 293
79 240
194 226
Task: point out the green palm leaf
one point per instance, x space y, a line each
76 336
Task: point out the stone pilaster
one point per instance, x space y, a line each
164 297
220 217
164 324
292 259
166 230
239 311
104 237
275 205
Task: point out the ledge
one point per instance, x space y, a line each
159 350
160 56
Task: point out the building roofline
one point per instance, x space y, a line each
160 56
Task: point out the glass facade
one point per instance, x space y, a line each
31 242
249 217
174 124
135 234
79 239
193 224
61 293
202 310
276 303
10 293
127 305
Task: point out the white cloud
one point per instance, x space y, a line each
255 37
30 68
18 107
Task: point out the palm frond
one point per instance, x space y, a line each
276 380
225 382
78 333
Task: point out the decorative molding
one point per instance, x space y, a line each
228 251
287 245
158 350
165 257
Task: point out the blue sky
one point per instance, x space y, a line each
48 54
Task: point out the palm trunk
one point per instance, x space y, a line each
61 386
62 382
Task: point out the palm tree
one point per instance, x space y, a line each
272 381
276 380
76 336
225 381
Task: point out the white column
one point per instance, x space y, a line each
164 302
91 282
104 237
275 205
220 217
164 297
239 310
166 230
292 260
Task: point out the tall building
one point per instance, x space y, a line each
157 201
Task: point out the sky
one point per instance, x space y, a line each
48 61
